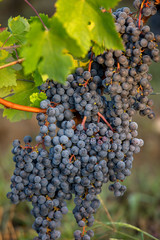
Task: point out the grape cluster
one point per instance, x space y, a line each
87 136
148 9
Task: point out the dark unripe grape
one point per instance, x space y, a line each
147 12
27 139
149 36
117 53
136 4
144 42
126 10
153 10
122 60
157 37
44 104
86 75
100 59
156 59
16 143
79 71
70 78
151 115
143 68
145 29
109 62
155 52
121 21
151 45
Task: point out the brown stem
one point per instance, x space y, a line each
10 47
37 14
12 63
21 107
103 118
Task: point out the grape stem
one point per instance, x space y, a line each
10 47
37 14
103 118
12 63
90 62
21 107
84 121
140 14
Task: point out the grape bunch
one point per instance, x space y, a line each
87 136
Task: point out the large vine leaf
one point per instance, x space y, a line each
89 23
46 51
21 95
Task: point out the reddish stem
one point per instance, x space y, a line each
21 107
90 62
84 121
118 66
86 83
37 14
84 230
140 14
103 118
73 110
70 159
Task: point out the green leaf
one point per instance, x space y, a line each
6 91
69 43
21 95
44 18
104 32
75 22
7 77
18 27
98 49
45 51
89 23
108 4
37 78
126 225
36 98
7 38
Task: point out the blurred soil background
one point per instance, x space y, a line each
140 206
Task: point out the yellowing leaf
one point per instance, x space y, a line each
36 98
89 23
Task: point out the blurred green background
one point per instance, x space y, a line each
140 206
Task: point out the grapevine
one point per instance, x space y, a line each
87 135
